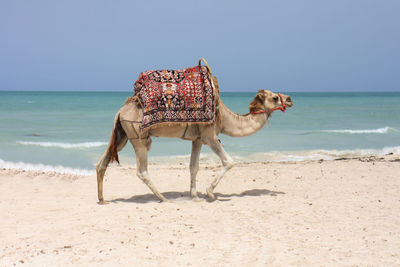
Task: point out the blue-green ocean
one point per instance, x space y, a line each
67 132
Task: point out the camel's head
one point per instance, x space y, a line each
268 101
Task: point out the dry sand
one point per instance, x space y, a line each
328 213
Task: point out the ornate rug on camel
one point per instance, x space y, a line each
176 96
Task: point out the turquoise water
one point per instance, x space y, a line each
68 131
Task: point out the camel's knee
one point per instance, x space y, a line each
194 170
100 169
229 164
193 174
143 175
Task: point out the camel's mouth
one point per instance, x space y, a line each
289 102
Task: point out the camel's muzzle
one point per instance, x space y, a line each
289 102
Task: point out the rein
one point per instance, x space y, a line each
283 108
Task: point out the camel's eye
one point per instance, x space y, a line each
275 98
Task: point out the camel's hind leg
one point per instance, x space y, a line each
194 167
117 143
141 147
102 166
101 170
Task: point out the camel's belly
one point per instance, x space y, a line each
167 131
132 130
184 132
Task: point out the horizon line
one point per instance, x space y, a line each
123 91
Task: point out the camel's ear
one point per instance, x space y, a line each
261 96
257 103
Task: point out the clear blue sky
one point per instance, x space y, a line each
338 45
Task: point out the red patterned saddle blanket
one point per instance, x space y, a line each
176 97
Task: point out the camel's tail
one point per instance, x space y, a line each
118 134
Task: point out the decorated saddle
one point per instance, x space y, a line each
173 97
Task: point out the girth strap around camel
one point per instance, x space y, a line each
186 96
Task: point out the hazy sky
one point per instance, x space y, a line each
337 45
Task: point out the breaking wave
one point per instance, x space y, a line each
8 165
383 130
63 145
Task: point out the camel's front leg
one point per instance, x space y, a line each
194 167
140 146
227 164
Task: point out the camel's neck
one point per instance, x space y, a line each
236 125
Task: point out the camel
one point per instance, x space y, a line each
127 127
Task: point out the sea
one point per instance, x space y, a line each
67 132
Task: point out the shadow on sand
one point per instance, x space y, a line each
179 196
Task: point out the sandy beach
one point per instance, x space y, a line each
313 213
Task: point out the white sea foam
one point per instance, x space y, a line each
43 168
387 150
280 156
63 145
324 154
383 130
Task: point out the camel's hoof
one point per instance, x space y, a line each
102 202
210 194
197 199
164 200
